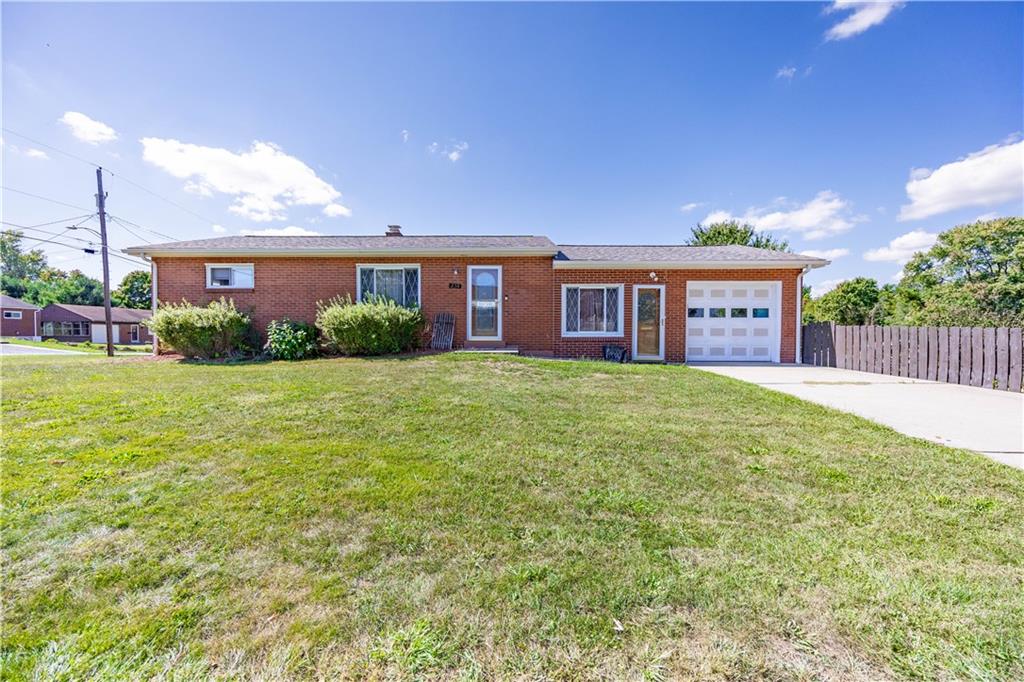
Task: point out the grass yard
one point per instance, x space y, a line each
91 348
475 517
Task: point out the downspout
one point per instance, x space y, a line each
152 297
800 315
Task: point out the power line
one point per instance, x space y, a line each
206 220
119 176
50 241
128 229
52 234
51 147
38 196
141 227
76 248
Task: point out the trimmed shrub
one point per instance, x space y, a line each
214 331
288 340
374 327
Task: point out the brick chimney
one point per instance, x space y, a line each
394 231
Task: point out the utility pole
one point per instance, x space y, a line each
101 200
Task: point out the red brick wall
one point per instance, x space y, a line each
291 287
674 282
531 310
25 327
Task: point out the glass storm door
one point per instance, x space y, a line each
649 322
484 303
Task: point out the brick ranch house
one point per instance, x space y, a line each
20 319
661 303
78 323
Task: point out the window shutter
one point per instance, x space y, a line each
365 283
412 287
572 309
611 309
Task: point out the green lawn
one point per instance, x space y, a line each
91 348
474 517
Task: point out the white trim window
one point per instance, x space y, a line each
592 309
230 276
66 328
398 282
12 314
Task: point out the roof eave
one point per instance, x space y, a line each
691 265
335 253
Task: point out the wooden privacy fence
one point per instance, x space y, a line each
988 357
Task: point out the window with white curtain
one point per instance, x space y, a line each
400 283
229 275
592 310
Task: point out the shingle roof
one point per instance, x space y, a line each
407 244
580 253
95 313
11 302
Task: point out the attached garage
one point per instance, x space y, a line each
733 321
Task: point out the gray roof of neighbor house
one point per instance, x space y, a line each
95 313
330 245
582 255
11 302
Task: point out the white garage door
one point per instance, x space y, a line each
733 321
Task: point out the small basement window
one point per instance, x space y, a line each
229 275
592 310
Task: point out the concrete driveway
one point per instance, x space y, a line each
14 349
984 420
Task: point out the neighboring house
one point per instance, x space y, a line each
19 319
671 303
77 323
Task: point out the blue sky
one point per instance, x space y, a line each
856 130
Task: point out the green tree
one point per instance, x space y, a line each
15 261
732 232
57 286
134 291
973 276
854 301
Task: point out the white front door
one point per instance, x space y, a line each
99 332
648 322
733 321
483 303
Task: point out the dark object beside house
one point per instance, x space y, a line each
444 330
615 353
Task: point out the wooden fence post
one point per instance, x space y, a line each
965 356
1016 359
1002 358
942 368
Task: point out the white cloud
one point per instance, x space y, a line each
863 15
86 129
827 254
825 215
263 180
686 208
994 175
405 136
822 288
36 154
786 72
290 231
453 150
337 211
991 215
219 229
902 248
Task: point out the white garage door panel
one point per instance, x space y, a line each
733 321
